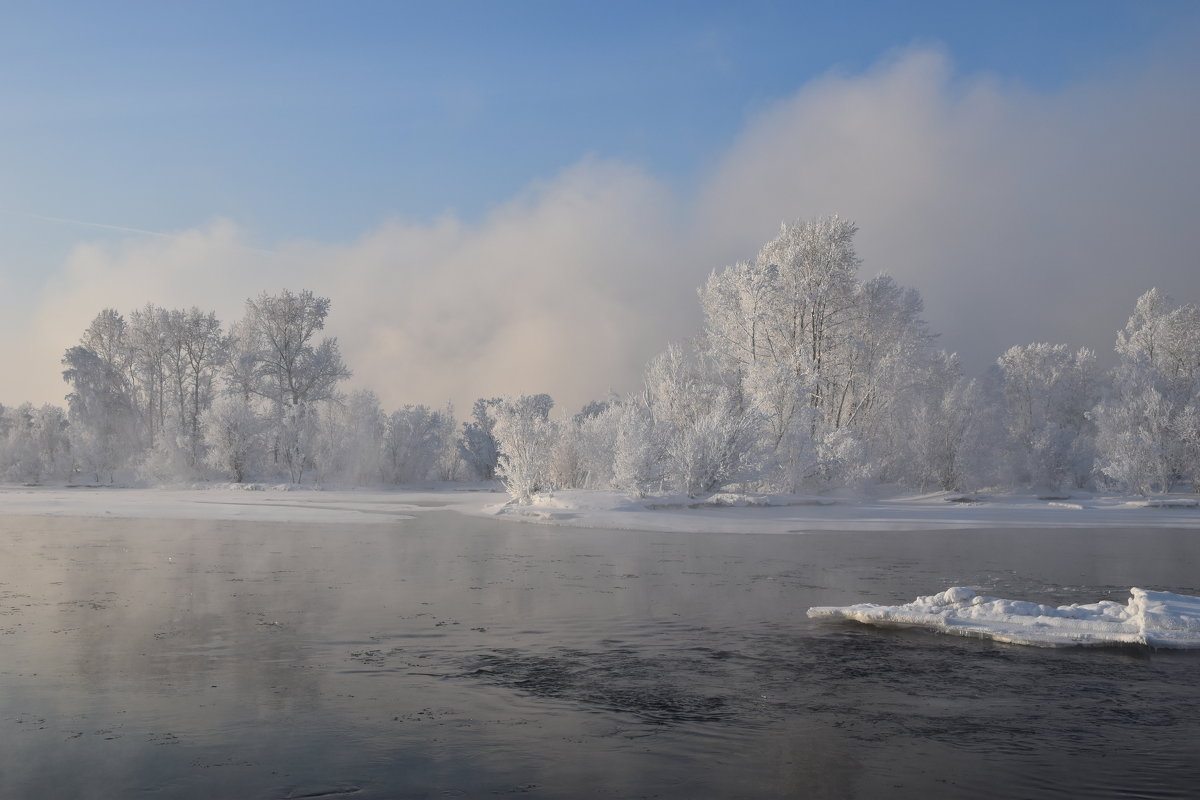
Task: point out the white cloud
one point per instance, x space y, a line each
1019 216
559 290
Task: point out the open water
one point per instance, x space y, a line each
455 657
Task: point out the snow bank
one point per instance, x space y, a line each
729 512
237 502
726 512
1154 619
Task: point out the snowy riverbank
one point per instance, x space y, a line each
255 503
721 513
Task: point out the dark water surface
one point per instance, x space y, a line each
456 657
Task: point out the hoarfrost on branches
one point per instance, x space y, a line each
805 377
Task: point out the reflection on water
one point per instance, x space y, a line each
448 656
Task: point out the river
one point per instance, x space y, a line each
453 656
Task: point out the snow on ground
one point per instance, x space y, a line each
1154 619
253 503
720 513
744 513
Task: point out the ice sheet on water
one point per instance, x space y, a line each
1153 619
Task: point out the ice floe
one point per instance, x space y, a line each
1153 619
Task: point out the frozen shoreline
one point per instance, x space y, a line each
226 503
722 513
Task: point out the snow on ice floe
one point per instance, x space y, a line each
1153 619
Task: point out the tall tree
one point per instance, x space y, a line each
103 408
150 344
292 370
478 442
1146 425
815 352
525 438
1047 392
203 347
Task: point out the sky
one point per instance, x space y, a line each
508 198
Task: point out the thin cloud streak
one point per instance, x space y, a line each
101 225
138 231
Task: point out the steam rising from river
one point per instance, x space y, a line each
1019 216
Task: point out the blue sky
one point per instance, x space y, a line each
321 119
321 122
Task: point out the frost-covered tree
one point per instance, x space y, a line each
347 446
788 309
297 439
177 355
202 346
790 303
362 433
705 435
1186 427
1047 392
138 390
934 439
415 444
478 444
241 371
638 457
20 460
103 410
292 370
52 441
884 359
34 444
1145 423
525 438
449 465
234 435
825 360
149 342
582 456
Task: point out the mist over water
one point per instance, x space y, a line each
450 656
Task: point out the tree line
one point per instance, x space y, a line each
804 378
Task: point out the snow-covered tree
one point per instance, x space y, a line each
787 312
297 439
52 441
582 457
1186 427
149 342
449 465
177 355
103 411
415 446
706 436
292 370
362 433
241 371
234 435
525 438
932 442
478 443
638 457
1136 439
1145 431
811 350
1047 393
34 445
202 345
